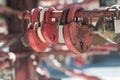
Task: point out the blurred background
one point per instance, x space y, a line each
102 61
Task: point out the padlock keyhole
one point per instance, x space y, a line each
81 45
52 37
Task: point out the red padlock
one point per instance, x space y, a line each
50 28
77 37
35 42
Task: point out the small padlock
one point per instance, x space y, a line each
77 37
106 27
50 28
35 42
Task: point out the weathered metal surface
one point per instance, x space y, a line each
50 28
77 37
83 13
26 71
81 36
35 42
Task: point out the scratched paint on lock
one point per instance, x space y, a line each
81 36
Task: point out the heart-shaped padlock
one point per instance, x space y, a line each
50 27
77 36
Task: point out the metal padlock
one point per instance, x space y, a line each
77 37
50 28
35 42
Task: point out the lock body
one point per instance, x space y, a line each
50 28
77 36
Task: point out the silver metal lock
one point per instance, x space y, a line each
117 26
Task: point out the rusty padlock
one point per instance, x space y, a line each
35 42
78 37
50 28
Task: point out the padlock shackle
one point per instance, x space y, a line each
35 15
48 14
72 12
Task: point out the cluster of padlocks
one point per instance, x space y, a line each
77 31
43 30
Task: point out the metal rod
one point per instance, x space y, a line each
84 13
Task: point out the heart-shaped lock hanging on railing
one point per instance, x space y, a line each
77 35
50 27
